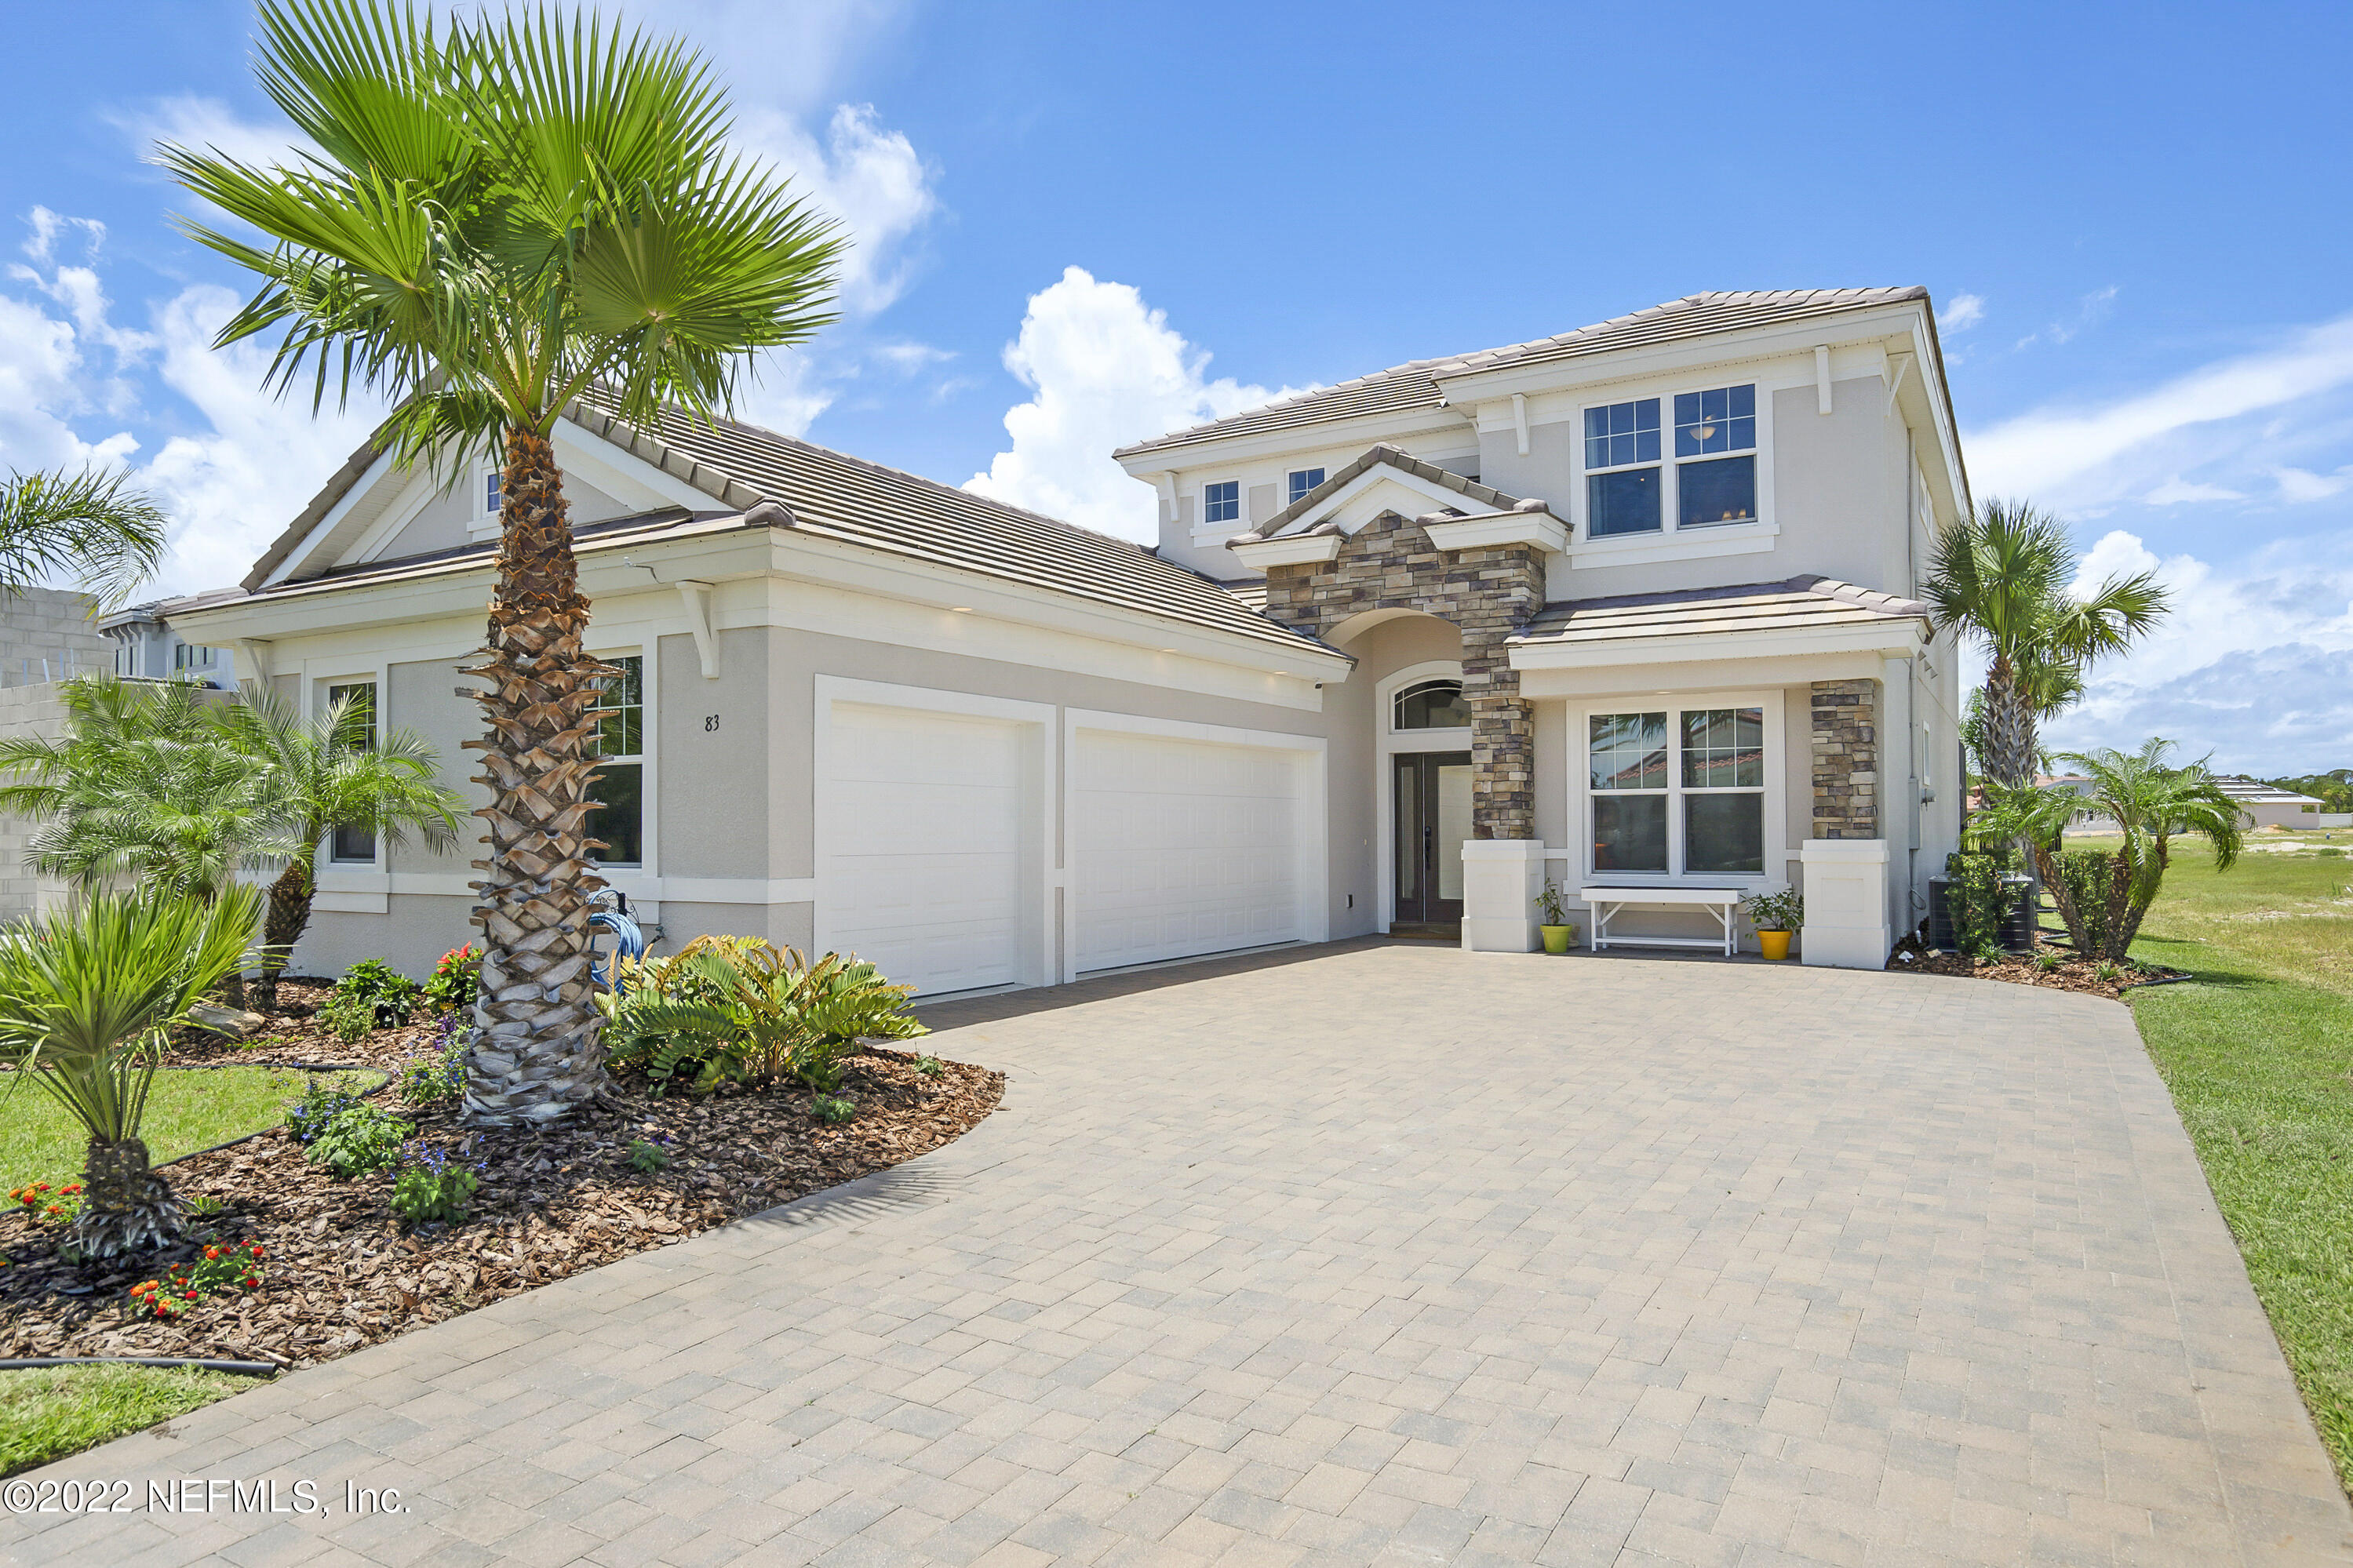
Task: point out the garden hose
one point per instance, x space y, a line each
167 1363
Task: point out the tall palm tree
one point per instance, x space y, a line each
86 994
505 214
2005 572
97 529
327 773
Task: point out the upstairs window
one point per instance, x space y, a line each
1222 502
1622 467
194 656
1431 705
1716 490
491 493
1303 481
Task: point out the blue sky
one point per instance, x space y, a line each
1083 224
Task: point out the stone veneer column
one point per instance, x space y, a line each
1846 759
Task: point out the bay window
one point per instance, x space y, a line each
1632 487
1677 791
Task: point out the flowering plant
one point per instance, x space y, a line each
455 978
184 1286
431 1186
45 1205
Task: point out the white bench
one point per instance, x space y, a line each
1723 903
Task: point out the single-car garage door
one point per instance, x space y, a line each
1183 847
922 860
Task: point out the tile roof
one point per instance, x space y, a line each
1415 384
1381 456
1799 603
777 481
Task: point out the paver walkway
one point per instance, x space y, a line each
1376 1255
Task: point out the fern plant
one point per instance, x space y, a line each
741 1010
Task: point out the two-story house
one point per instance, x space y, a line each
1626 609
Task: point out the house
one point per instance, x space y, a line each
2268 805
1628 608
147 647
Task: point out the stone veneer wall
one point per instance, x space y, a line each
1846 759
1489 593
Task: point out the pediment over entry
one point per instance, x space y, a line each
1387 480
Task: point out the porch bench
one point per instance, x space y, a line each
1721 902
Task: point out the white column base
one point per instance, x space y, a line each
1846 903
1500 879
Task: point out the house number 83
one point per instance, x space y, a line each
710 723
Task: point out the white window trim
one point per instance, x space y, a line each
1283 498
1669 540
1777 781
649 745
1389 742
348 886
1231 526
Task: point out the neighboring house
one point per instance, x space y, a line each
148 648
1631 605
2268 805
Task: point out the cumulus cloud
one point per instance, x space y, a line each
2179 492
2250 664
1104 370
191 120
1961 312
867 177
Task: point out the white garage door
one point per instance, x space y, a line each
921 869
1182 848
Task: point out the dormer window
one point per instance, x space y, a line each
1431 705
1222 501
1303 481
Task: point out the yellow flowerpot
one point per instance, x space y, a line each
1557 937
1773 943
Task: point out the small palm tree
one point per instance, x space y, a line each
507 214
97 528
327 773
2005 572
2103 895
86 994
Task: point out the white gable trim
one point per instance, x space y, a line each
1336 506
357 497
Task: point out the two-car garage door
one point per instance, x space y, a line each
936 831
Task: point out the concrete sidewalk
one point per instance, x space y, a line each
1375 1254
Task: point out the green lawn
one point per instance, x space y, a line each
191 1108
51 1412
2256 1051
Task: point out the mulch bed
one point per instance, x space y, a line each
293 1036
344 1271
2070 973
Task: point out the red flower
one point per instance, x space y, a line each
192 1295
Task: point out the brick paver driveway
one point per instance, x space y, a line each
1377 1255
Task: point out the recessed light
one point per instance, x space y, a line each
1167 650
959 609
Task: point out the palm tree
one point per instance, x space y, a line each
507 214
327 773
2005 572
97 529
86 994
2103 895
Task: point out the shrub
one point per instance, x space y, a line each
432 1187
347 1019
442 1077
184 1286
388 993
833 1108
1975 898
647 1158
457 976
358 1140
1784 911
321 1104
2330 852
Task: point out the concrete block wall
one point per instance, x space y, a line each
37 710
52 625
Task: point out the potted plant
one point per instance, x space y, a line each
1559 933
1775 916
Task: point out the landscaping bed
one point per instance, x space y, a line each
2053 968
340 1270
293 1034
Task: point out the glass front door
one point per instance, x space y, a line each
1433 817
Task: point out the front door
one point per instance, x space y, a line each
1433 818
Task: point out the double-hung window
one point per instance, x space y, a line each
349 845
1302 482
1222 501
1678 792
490 497
1631 487
619 788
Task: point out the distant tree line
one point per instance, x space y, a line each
2333 789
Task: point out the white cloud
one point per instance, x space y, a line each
1104 370
2078 456
2298 485
865 175
2250 664
2177 492
793 56
1961 312
193 121
786 393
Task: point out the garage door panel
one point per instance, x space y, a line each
922 865
1183 847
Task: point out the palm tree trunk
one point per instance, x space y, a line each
126 1206
536 1050
281 926
2008 728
